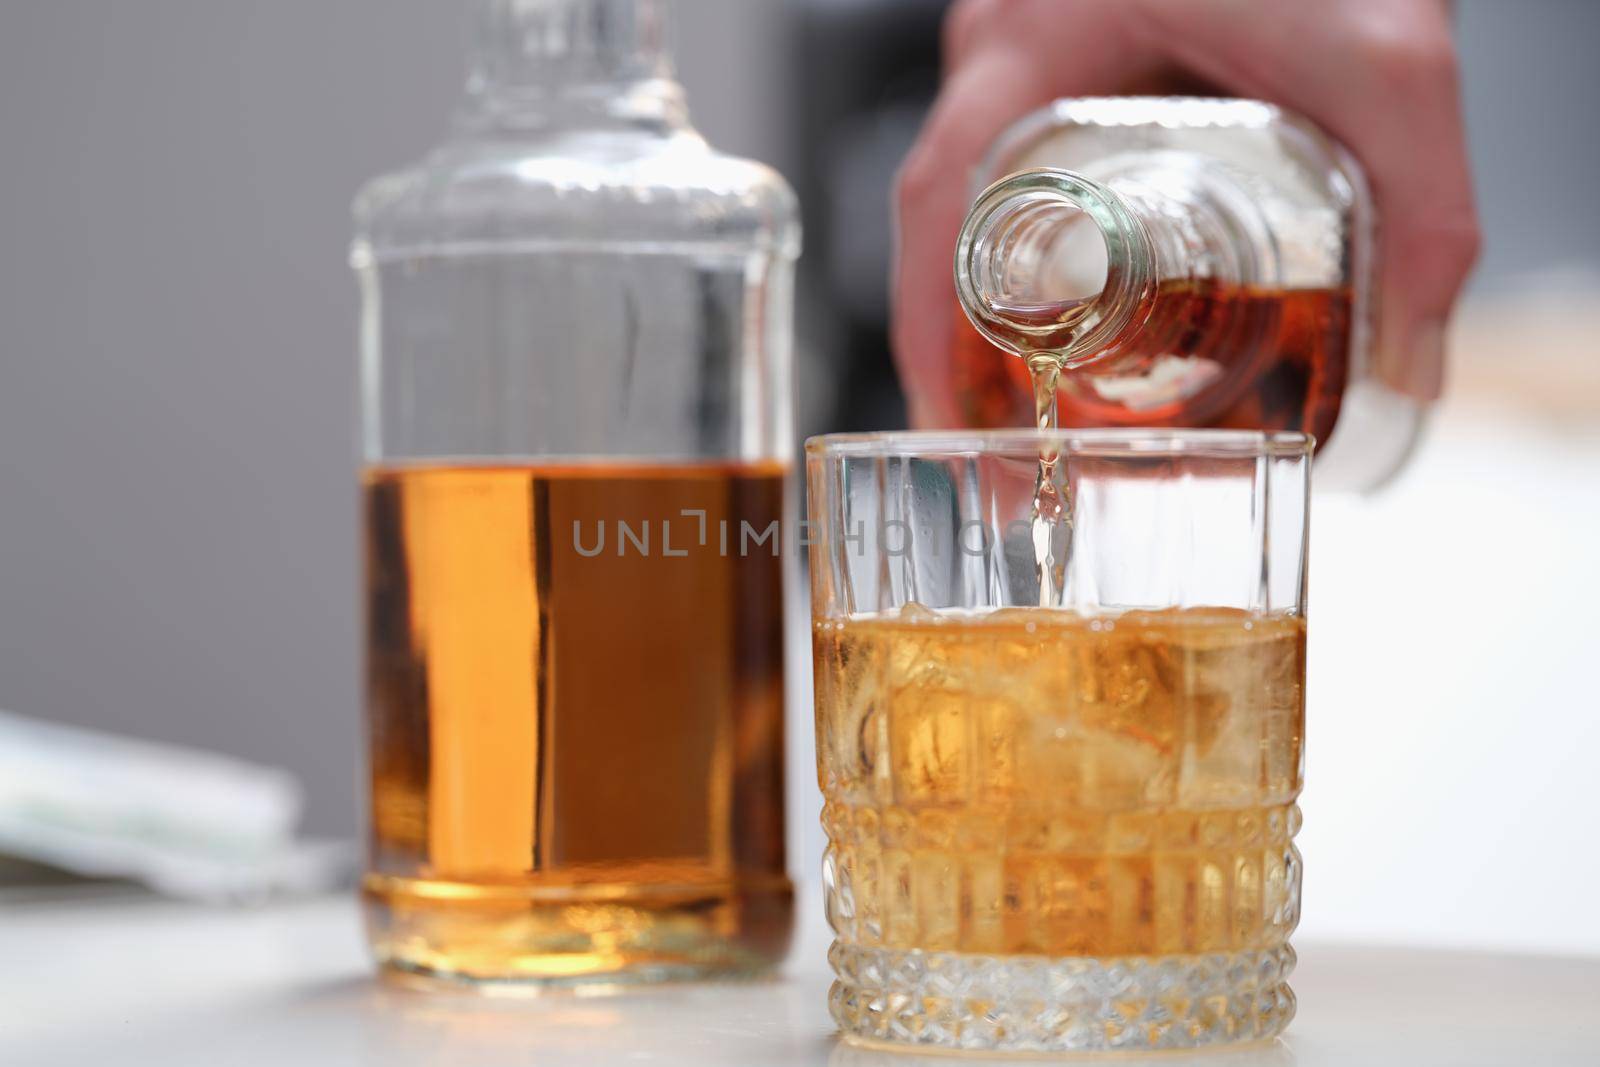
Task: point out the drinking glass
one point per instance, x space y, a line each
1067 826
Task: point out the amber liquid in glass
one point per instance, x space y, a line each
1033 782
576 744
1265 359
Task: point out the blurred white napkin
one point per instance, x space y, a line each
184 822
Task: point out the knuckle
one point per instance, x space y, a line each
1440 252
1405 57
1461 241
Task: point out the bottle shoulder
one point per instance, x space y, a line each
1272 144
643 190
1307 191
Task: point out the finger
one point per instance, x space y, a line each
1428 231
964 26
1384 82
994 85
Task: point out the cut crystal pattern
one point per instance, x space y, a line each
1041 1004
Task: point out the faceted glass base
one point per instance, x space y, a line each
955 1000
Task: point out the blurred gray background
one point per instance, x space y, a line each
178 541
178 538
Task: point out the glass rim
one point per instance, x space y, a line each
1103 442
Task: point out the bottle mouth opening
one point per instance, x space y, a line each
1050 262
1048 254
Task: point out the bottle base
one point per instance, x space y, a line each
523 939
1033 1004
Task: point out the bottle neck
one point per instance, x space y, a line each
1052 263
542 64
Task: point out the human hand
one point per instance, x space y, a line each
1379 75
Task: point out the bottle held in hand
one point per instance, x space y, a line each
1182 262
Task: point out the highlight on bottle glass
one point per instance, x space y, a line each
1060 684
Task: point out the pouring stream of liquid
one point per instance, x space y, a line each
1051 514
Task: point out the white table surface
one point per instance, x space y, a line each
149 982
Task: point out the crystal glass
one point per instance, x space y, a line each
1066 827
575 338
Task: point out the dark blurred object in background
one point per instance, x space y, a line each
866 73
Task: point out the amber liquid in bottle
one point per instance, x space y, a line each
1273 359
575 707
